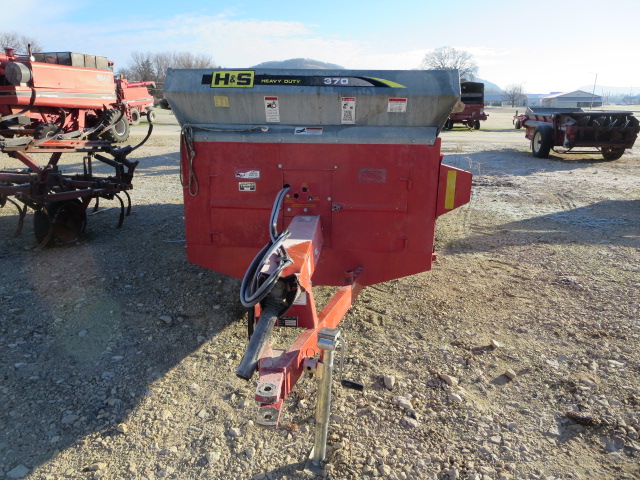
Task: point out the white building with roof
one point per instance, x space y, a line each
577 98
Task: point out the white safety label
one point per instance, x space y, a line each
272 109
348 105
302 299
248 174
247 186
397 105
307 131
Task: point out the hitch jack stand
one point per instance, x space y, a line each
327 340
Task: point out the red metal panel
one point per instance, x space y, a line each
377 205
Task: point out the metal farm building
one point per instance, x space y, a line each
577 98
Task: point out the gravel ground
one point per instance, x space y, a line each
516 357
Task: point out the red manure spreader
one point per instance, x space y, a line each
575 131
54 103
298 178
472 107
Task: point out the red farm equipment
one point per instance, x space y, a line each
54 103
472 99
608 132
297 178
136 98
69 95
60 200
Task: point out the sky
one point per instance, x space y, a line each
547 46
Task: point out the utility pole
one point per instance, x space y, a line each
593 93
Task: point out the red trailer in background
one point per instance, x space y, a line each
136 98
472 99
575 131
75 95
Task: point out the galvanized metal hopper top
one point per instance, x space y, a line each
313 106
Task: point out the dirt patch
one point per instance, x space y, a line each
515 357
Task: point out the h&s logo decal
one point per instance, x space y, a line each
232 79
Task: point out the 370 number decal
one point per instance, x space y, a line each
336 81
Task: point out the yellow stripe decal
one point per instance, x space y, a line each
388 83
450 193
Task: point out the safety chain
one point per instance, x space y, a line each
187 141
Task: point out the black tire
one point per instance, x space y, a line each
542 141
120 132
476 125
518 124
135 116
151 116
45 130
611 153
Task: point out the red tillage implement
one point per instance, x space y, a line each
59 199
295 178
65 102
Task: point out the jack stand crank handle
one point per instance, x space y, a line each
343 381
258 341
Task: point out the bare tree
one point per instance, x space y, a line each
449 58
153 66
514 93
19 41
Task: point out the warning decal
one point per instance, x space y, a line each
247 186
272 109
397 105
220 101
348 110
307 131
302 299
287 321
248 174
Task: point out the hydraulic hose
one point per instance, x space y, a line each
255 287
258 341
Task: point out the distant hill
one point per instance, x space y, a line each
605 90
488 86
299 63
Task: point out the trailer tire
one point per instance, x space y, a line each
611 153
45 130
542 141
135 116
476 125
120 132
151 116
